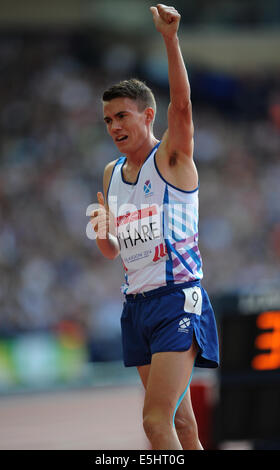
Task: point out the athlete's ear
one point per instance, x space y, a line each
149 115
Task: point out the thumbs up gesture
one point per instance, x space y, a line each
100 199
100 218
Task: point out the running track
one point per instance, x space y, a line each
95 419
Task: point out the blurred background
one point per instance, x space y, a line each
60 300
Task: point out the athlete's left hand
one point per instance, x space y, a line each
166 20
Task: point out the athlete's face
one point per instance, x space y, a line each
127 126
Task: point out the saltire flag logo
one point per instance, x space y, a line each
147 187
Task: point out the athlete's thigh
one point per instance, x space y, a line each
144 372
168 377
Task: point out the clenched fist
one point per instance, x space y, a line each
166 20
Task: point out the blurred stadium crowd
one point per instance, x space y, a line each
53 151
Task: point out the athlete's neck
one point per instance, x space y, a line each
136 158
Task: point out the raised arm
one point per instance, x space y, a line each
179 137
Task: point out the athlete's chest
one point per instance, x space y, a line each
130 176
147 191
138 216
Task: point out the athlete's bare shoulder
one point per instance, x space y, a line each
108 170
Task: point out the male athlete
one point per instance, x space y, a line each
151 194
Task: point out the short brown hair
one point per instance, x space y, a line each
135 90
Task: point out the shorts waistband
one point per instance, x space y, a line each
160 291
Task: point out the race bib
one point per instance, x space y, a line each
140 237
193 300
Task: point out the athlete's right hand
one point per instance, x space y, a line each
166 20
100 218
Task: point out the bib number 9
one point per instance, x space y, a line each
193 300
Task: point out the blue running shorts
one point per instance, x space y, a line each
166 319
